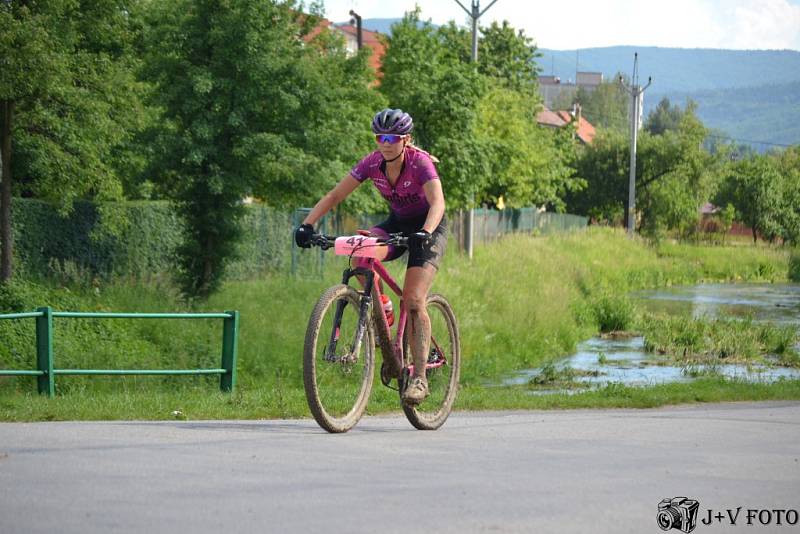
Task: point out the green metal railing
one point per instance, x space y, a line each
46 373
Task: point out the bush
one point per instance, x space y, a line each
613 312
136 240
794 266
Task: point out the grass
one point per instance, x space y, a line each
521 303
262 403
553 376
687 340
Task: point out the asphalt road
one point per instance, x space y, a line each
588 471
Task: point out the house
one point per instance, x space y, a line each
370 39
373 40
558 119
553 89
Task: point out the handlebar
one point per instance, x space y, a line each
327 241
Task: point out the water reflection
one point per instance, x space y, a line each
777 303
599 361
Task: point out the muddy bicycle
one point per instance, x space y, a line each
344 328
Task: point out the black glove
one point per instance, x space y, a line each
302 236
420 240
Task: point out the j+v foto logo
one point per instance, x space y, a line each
682 514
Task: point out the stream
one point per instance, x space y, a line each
601 360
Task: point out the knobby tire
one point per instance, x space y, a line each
337 392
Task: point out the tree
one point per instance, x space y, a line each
674 176
789 166
755 188
480 120
678 176
726 218
604 166
252 106
509 57
666 117
68 102
426 74
529 164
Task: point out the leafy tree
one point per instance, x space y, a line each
252 106
509 56
68 102
755 188
529 164
789 167
674 176
765 190
665 117
725 220
426 74
678 176
480 120
604 165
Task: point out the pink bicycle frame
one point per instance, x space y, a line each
382 274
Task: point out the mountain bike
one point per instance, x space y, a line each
339 352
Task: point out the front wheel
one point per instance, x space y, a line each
444 366
337 374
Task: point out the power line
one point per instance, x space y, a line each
726 138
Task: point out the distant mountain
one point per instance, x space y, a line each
768 113
379 25
679 69
383 26
749 94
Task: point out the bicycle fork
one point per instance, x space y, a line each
366 299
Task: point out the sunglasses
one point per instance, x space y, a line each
388 138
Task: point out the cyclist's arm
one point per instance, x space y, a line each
435 197
332 199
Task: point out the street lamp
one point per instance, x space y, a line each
356 19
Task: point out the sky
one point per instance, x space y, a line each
572 24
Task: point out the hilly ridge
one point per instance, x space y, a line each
752 95
680 69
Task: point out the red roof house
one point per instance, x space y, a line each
557 119
368 38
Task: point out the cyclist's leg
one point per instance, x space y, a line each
422 268
389 368
415 295
381 253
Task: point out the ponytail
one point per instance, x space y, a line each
415 147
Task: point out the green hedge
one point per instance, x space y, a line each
139 239
132 239
95 239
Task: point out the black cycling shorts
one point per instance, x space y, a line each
432 254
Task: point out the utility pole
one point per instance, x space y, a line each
473 14
637 94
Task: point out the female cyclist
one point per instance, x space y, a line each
406 177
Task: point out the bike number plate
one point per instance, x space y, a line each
357 245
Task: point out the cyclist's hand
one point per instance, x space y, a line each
302 236
420 240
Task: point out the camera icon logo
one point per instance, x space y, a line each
679 513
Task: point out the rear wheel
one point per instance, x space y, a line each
338 376
444 366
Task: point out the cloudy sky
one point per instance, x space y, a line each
570 24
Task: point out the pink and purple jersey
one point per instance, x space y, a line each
406 199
